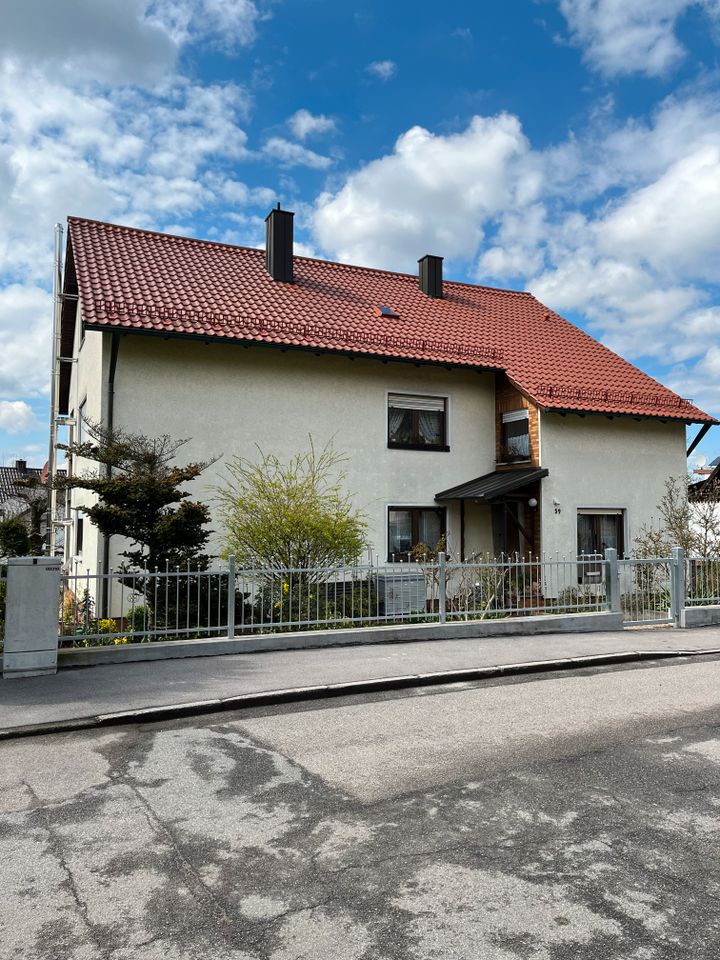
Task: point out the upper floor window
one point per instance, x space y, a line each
417 423
515 436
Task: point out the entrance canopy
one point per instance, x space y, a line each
493 486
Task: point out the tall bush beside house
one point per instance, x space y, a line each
14 538
295 516
693 525
140 496
31 498
290 515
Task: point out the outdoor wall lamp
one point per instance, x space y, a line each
532 503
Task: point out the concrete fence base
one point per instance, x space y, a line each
700 616
306 640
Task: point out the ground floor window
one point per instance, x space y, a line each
598 530
408 526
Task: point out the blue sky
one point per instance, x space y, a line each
569 147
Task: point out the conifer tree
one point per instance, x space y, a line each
140 497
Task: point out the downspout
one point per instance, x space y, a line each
114 346
54 389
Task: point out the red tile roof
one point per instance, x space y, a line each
132 279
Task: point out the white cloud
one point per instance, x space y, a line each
432 194
26 313
108 154
121 41
674 222
289 154
639 267
305 124
96 120
629 36
382 69
16 416
227 23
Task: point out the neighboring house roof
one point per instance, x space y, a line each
709 485
136 280
8 476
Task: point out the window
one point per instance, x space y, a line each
515 436
79 535
408 526
417 423
597 530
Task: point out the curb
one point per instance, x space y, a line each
331 690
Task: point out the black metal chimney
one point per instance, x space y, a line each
431 280
279 244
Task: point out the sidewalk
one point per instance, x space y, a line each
101 695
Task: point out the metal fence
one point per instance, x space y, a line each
518 586
646 585
123 607
129 607
133 606
702 581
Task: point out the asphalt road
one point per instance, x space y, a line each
562 816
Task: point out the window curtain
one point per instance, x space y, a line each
430 432
397 418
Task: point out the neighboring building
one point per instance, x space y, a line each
465 410
709 487
30 504
10 504
708 469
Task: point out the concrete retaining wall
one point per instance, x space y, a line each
473 629
700 616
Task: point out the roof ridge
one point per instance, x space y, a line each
161 234
297 256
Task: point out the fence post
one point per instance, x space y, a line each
442 585
612 580
677 586
231 598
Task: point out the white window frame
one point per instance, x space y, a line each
404 392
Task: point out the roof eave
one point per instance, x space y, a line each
635 415
304 348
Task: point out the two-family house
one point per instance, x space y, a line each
464 410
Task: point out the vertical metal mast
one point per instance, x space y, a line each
54 390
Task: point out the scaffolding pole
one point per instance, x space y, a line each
54 390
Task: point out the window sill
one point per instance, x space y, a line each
440 448
512 463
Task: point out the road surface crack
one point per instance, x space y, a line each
69 883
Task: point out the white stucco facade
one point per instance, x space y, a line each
595 462
229 399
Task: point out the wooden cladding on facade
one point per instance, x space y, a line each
508 399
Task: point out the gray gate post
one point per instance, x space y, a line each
231 598
442 586
612 580
677 586
32 614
